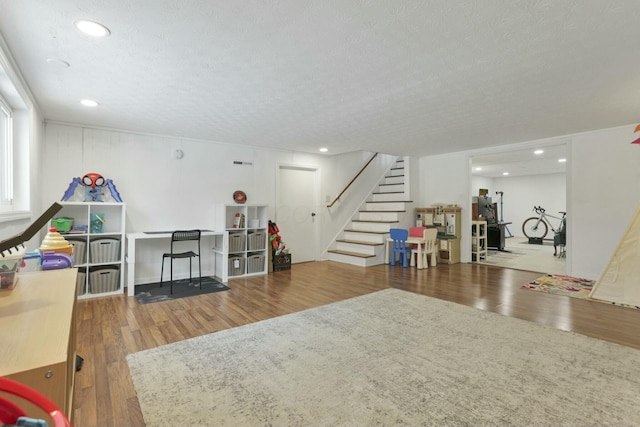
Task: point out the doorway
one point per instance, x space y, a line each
297 202
516 179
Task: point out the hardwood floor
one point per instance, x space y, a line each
112 327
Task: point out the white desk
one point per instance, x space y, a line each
221 270
411 241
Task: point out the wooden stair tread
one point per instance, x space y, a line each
367 231
354 254
376 221
388 201
359 242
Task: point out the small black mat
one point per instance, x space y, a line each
152 292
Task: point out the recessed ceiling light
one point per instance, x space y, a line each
92 29
538 152
562 160
324 150
478 169
89 103
505 173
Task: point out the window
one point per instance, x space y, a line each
6 156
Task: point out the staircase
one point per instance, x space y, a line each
363 241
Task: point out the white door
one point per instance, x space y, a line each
297 209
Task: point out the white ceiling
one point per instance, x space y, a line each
406 77
522 161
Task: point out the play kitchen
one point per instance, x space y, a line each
447 219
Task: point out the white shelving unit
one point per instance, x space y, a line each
478 240
98 251
248 241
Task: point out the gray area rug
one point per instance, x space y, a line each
389 358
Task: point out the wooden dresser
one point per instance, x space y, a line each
37 337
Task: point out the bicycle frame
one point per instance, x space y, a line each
544 216
532 228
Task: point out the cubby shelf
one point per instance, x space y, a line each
248 238
98 251
478 240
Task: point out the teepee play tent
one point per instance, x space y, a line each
620 281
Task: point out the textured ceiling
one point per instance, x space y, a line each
402 77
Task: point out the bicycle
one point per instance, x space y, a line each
538 227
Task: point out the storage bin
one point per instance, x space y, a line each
62 224
8 273
255 263
79 250
96 222
104 250
257 240
104 279
81 282
10 263
236 265
282 262
237 243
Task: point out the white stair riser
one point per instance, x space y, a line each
378 216
396 172
394 180
371 226
354 247
361 262
393 188
390 197
365 237
389 205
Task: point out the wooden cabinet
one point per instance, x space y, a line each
248 239
99 245
478 240
37 338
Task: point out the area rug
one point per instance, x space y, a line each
562 285
152 292
389 358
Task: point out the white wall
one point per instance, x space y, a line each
602 193
445 179
164 193
604 183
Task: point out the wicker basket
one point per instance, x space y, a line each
255 263
237 243
81 281
236 265
104 280
257 240
79 250
104 250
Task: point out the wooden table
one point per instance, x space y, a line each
419 241
37 337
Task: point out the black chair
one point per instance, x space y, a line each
181 236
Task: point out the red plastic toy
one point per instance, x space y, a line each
10 411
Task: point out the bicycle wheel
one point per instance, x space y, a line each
531 228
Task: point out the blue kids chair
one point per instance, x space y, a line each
399 246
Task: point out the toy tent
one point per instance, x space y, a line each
620 283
